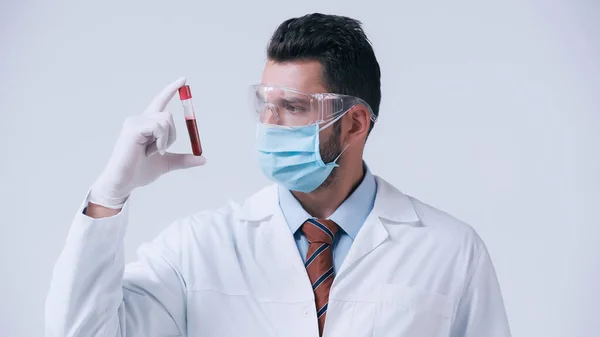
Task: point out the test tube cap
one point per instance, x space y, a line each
185 92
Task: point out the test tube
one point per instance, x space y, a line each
185 95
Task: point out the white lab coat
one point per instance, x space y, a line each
413 271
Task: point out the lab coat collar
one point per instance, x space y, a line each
261 205
390 204
393 205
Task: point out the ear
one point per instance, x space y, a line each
358 121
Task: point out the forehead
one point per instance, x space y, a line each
306 76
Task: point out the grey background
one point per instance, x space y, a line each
490 112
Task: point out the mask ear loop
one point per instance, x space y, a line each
328 125
339 155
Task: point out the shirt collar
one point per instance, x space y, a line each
351 214
391 205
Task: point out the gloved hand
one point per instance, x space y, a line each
139 155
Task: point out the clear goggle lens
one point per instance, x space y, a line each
290 107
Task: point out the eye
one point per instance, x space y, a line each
294 108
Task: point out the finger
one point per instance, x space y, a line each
172 130
155 136
178 161
162 136
151 149
159 103
166 120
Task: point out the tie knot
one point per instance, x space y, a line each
322 231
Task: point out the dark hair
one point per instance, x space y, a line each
340 45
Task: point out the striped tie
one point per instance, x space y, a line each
319 262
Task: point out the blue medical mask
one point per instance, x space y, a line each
290 155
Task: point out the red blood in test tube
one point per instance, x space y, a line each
185 95
194 138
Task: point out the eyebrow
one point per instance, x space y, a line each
292 100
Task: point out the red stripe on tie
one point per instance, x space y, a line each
321 264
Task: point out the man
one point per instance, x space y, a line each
330 250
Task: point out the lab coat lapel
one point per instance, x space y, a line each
392 207
278 233
371 235
263 208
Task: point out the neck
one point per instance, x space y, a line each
322 202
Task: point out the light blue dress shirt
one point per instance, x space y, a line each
350 216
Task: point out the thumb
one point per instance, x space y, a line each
178 161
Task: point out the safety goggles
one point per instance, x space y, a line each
290 107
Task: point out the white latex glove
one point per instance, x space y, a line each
139 155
